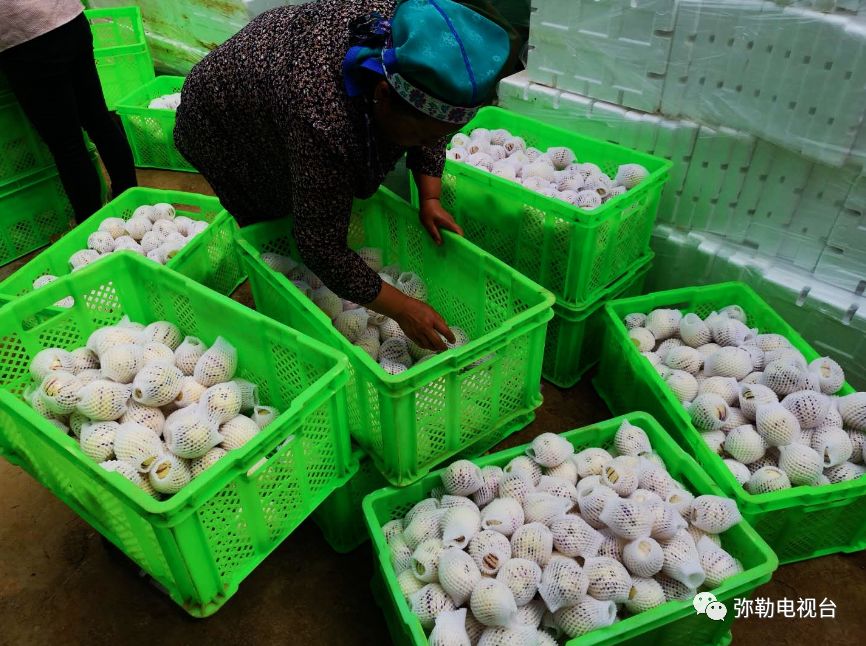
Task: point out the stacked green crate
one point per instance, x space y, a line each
583 257
33 205
122 57
150 131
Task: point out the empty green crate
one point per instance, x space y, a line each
340 517
573 334
798 523
122 58
575 254
151 130
211 258
22 150
203 541
33 209
675 622
410 422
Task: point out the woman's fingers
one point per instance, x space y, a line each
433 230
447 222
441 327
436 342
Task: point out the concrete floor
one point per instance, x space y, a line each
60 585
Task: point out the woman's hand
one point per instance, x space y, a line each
434 217
419 321
423 325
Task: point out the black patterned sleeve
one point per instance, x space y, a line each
427 160
322 202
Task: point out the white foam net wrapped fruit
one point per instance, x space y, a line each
573 548
130 407
553 172
756 400
145 231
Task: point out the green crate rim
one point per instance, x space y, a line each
132 103
226 469
443 363
770 501
669 611
574 314
26 181
133 12
571 315
92 224
580 217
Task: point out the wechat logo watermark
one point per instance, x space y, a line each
705 603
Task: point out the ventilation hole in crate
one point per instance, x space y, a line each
792 105
757 93
692 38
720 84
730 42
788 53
14 360
712 38
750 44
831 121
807 59
812 110
702 80
848 75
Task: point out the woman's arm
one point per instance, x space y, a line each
322 198
432 214
426 164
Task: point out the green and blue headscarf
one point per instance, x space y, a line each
439 56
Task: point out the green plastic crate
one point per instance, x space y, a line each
151 130
202 542
411 422
340 517
572 345
575 254
798 523
33 209
211 258
674 622
22 150
122 58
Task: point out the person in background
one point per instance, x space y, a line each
310 106
46 53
